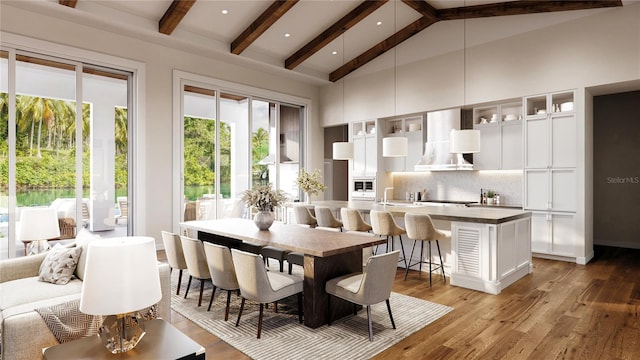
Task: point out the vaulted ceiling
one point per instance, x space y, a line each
325 40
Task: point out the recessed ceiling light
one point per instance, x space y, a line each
334 52
287 35
224 12
379 23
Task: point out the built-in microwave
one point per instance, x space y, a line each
364 188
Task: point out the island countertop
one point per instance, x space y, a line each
464 214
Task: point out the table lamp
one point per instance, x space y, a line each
36 226
121 278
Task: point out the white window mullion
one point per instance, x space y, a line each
12 224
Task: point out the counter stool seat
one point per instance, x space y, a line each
420 228
326 219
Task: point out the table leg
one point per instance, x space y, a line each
317 270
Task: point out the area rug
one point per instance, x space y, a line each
283 337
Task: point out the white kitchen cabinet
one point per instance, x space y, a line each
554 234
550 137
550 189
365 145
500 128
413 128
550 174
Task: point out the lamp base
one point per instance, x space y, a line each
37 247
121 333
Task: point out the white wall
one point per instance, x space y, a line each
159 62
600 48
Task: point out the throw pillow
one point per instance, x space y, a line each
59 264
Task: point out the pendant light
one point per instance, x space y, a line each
343 150
465 141
396 146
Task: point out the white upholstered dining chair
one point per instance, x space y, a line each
262 286
370 287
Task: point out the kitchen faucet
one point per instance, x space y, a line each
384 202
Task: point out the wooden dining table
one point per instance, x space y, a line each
327 254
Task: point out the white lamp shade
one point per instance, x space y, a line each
39 224
465 141
342 150
395 146
121 276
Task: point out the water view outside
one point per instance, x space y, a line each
44 197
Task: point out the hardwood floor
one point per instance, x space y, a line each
562 310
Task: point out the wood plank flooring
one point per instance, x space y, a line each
561 311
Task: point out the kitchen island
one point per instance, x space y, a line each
491 247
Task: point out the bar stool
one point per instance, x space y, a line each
304 216
383 224
420 228
352 221
325 218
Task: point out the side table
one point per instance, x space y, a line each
161 341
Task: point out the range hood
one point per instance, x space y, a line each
437 150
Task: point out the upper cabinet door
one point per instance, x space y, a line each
564 141
536 142
512 146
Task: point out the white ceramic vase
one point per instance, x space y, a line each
263 219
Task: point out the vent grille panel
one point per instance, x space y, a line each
469 251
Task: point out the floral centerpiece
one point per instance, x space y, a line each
265 199
310 183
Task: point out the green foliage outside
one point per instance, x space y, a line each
45 144
45 148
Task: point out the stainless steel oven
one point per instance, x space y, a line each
364 188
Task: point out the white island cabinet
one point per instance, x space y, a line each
490 257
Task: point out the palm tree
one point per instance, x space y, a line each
121 135
46 110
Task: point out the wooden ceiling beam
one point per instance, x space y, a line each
522 7
69 3
274 12
423 8
331 33
381 48
174 14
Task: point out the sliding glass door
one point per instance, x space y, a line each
232 142
64 145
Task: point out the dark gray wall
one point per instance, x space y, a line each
340 181
616 156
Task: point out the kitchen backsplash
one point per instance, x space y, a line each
460 185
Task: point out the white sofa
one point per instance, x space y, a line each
23 331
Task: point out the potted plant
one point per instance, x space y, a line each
265 199
310 183
490 197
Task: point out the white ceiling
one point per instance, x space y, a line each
207 31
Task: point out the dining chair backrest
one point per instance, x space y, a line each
420 227
195 257
252 276
378 276
303 216
383 223
173 250
353 221
223 274
325 217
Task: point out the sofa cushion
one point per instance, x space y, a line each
28 290
59 264
83 239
